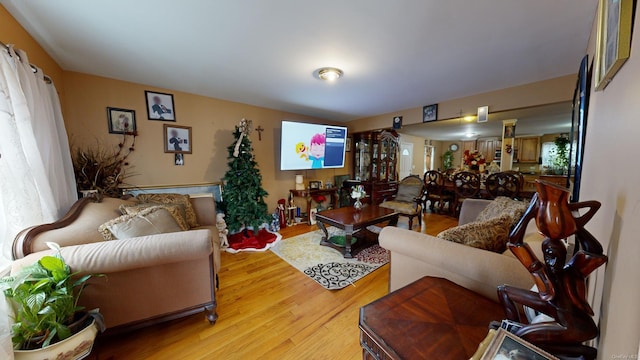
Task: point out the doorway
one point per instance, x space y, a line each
406 159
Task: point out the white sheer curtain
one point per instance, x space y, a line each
36 173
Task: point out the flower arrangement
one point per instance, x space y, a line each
473 158
319 199
357 192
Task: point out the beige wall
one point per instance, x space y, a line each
212 120
11 32
610 177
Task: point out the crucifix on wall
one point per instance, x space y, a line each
259 129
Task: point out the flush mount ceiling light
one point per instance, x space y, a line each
329 73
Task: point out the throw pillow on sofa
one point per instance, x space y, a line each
503 206
150 221
173 199
489 235
175 210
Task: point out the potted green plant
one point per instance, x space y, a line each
447 160
560 155
44 297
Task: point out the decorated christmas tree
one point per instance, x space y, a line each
243 193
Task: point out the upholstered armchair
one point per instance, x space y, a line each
408 200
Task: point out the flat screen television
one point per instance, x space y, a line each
312 146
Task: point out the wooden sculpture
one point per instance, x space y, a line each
561 284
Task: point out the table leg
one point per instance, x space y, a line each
393 221
325 237
347 241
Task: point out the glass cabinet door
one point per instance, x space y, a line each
363 160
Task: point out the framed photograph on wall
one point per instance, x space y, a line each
430 113
347 144
509 131
177 139
178 159
613 42
160 106
121 121
508 346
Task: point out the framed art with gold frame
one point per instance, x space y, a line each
613 45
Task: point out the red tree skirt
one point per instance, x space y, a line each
261 241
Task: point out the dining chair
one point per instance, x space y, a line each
467 185
503 184
434 191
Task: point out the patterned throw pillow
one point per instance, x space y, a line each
503 206
173 199
489 235
176 211
150 221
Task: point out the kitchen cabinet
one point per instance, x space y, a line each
376 163
527 149
468 145
488 147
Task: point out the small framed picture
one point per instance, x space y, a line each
347 144
509 132
315 185
160 106
121 121
483 114
430 113
177 139
505 345
397 122
178 159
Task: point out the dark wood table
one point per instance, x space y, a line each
351 220
431 318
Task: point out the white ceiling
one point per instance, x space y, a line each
539 120
396 54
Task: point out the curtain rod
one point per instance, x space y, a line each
33 67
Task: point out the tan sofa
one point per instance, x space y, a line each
414 255
150 279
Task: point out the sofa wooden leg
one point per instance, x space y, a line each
210 314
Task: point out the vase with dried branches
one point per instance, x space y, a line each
104 168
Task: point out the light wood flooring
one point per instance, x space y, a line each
267 310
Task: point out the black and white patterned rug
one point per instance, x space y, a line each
325 265
335 275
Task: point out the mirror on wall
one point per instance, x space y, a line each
542 123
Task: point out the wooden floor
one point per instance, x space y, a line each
268 310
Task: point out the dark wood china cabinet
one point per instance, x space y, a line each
375 163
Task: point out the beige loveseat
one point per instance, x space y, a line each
150 279
414 255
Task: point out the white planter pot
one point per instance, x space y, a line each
78 346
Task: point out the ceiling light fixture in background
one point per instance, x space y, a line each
329 73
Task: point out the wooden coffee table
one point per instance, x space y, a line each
351 220
431 318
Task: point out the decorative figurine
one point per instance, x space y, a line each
221 225
561 284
